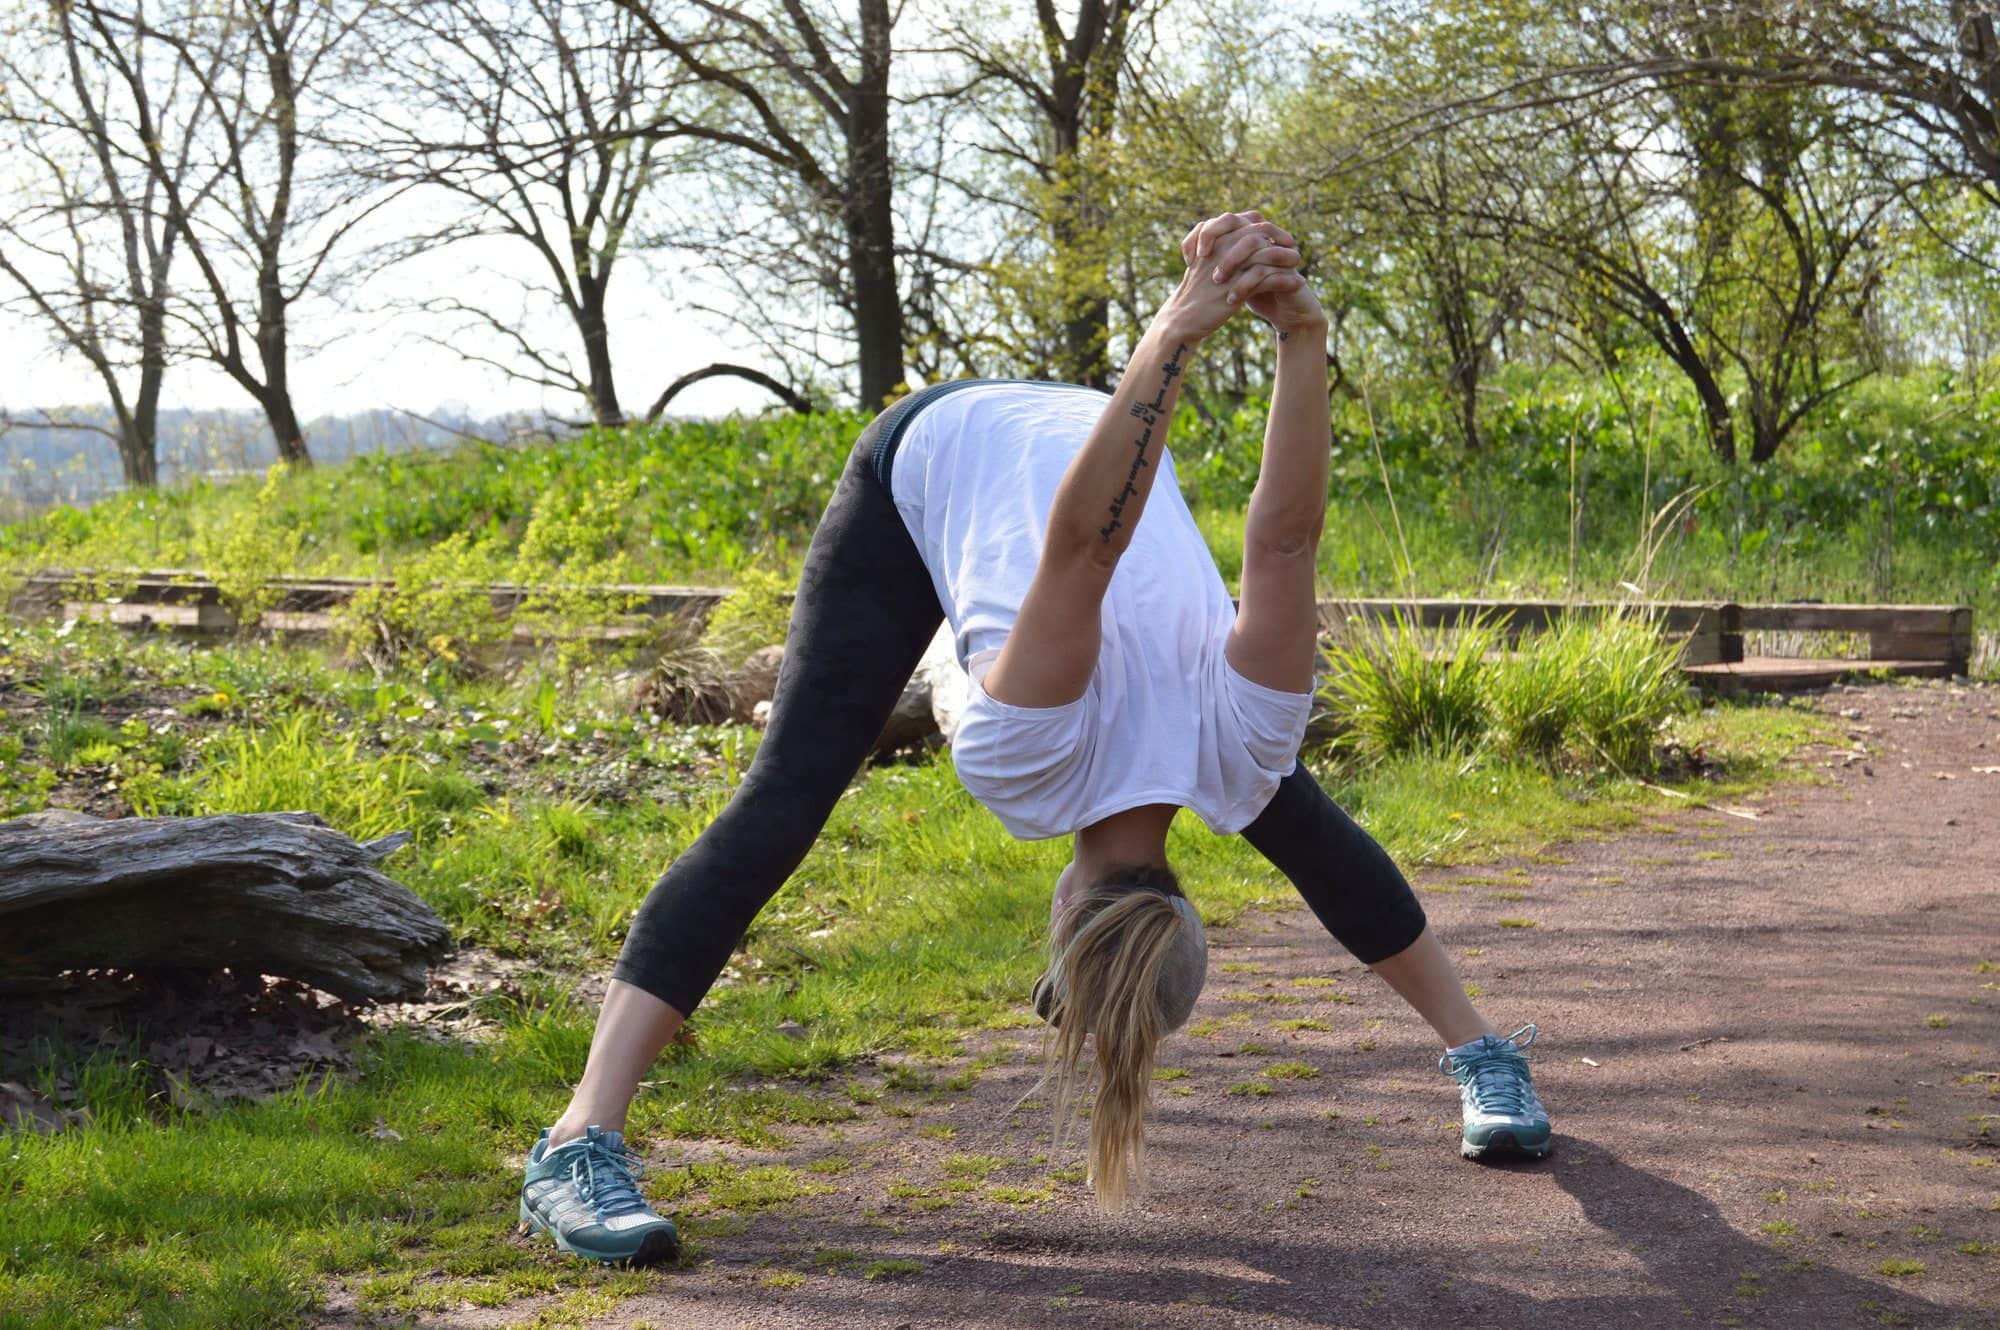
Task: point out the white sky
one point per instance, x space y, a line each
366 359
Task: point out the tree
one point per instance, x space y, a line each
808 99
1724 220
1933 64
539 122
1068 81
263 230
87 244
1462 283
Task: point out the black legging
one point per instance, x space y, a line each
864 613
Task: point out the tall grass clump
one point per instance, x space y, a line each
1631 683
1595 690
1536 697
1401 688
1598 688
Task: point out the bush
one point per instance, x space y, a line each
1631 682
437 611
1405 689
1535 694
1596 689
243 553
754 614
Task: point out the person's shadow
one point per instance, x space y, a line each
1699 1263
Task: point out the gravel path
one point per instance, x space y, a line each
1769 1047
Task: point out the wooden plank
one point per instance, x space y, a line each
181 618
1778 674
309 594
1856 618
1437 612
1912 646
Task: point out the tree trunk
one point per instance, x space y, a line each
604 408
1714 411
1073 228
265 893
1672 338
137 455
284 421
1465 386
1765 436
870 218
273 352
139 440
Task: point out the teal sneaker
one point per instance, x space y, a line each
584 1193
1501 1116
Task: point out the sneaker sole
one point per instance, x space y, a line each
659 1247
1504 1145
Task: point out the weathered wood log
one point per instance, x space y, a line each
262 893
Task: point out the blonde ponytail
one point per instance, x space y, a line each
1109 949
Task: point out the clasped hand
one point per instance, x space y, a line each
1240 261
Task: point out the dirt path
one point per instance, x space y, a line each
1768 1047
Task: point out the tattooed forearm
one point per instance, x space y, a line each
1149 415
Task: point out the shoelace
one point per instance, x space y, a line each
607 1179
1496 1073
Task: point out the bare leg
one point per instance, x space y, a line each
632 1028
1422 975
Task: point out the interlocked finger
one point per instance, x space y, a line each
1252 244
1265 279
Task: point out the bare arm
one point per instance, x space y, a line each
1052 649
1277 624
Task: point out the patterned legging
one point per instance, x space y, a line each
864 613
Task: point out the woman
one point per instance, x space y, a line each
1113 683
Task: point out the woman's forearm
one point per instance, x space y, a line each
1288 505
1104 491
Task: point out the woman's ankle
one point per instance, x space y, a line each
573 1123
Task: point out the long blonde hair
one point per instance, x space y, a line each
1109 948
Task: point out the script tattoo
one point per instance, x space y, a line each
1148 414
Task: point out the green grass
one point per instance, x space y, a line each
914 924
1894 497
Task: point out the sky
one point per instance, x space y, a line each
375 359
352 355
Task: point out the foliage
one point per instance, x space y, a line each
1400 688
243 555
1592 688
755 614
1535 698
1894 495
1628 683
437 609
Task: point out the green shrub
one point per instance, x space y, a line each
1631 682
1597 689
572 559
437 610
1404 689
244 551
755 614
1535 691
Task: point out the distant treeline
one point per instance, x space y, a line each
40 467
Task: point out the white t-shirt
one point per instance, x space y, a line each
1165 719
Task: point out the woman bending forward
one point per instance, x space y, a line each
1113 684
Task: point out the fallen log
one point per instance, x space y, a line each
261 893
